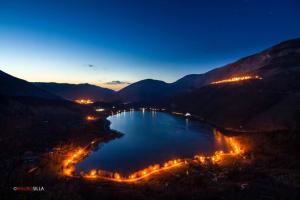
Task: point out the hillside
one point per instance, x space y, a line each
272 61
77 91
146 91
251 65
272 103
12 86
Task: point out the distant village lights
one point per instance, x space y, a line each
188 114
90 118
84 101
182 114
100 109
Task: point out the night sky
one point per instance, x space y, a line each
113 43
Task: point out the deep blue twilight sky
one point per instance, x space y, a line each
112 43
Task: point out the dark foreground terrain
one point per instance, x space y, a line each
32 128
268 170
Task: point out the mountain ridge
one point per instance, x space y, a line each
264 63
250 65
269 104
144 90
75 91
13 86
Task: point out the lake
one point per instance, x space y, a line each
151 138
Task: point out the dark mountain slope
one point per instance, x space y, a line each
145 91
77 91
266 63
249 65
262 105
265 105
12 86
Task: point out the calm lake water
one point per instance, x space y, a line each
150 138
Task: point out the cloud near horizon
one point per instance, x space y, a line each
117 83
114 85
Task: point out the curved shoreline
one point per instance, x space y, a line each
98 174
217 158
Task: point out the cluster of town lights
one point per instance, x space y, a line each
76 156
237 79
84 101
143 109
91 118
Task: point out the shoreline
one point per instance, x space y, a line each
141 174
